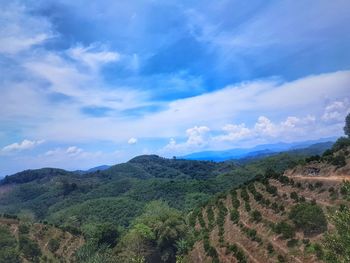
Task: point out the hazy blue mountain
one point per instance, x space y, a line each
260 150
92 170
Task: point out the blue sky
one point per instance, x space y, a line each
85 83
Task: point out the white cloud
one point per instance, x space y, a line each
132 140
70 152
264 126
73 150
24 145
93 56
197 138
19 30
197 135
234 132
336 111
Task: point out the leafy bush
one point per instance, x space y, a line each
8 244
292 243
234 216
337 243
53 245
309 217
281 259
256 216
247 207
341 143
211 217
339 160
23 229
271 189
285 229
244 195
29 248
294 196
270 248
238 253
313 158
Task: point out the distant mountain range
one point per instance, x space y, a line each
261 150
92 170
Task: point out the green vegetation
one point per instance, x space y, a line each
309 217
256 216
8 246
29 249
337 243
286 230
149 209
347 125
234 215
238 253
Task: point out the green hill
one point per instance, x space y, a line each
153 209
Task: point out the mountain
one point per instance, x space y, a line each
92 170
264 150
153 209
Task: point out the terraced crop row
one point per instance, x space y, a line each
252 224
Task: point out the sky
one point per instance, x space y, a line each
85 83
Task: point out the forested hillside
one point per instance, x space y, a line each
153 209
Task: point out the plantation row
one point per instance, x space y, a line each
301 222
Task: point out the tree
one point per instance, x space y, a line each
309 217
337 244
136 245
8 244
53 245
29 248
256 216
285 229
235 216
167 225
103 234
347 125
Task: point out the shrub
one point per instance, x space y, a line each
309 217
23 229
244 195
211 217
256 216
314 158
53 245
271 189
275 207
311 187
29 248
341 143
338 160
281 258
234 216
270 248
318 184
294 196
286 230
247 207
292 243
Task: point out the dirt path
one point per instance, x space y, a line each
335 178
